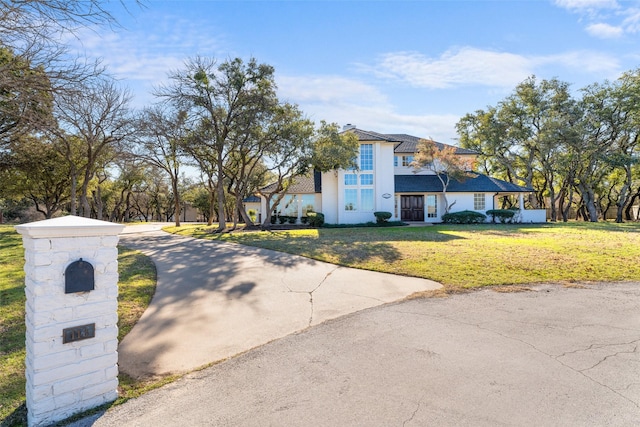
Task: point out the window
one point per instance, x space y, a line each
366 157
395 161
432 206
366 179
366 199
350 179
479 201
350 200
359 191
288 206
406 160
308 203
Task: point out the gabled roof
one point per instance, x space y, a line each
404 143
367 135
302 185
251 199
409 144
476 183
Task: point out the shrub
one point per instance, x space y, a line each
316 219
282 219
292 219
502 215
382 217
464 217
274 218
304 219
252 215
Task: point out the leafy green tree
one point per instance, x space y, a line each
289 157
25 99
221 100
38 173
334 150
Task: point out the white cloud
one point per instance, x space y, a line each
454 67
385 119
604 31
599 64
326 89
607 19
631 23
470 66
587 4
144 56
345 100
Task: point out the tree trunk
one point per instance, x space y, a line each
588 198
97 195
73 210
243 213
222 220
176 200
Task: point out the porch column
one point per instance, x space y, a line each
521 201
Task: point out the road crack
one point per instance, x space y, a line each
310 293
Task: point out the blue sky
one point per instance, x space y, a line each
410 67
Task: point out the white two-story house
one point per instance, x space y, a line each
385 181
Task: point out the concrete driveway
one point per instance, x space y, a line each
215 300
552 356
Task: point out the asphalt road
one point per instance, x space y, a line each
553 356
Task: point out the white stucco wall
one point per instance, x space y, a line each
464 202
330 197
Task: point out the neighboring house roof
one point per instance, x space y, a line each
404 143
478 183
301 185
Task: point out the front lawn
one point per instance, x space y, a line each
136 287
464 256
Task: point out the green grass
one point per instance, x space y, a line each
136 287
460 256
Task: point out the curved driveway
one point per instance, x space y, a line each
215 300
552 356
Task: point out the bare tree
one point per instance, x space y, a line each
443 161
162 133
35 62
99 118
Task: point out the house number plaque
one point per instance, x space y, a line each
78 333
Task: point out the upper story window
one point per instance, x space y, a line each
366 157
406 160
395 161
350 179
366 179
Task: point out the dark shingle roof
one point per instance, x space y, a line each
251 199
404 143
477 183
409 144
302 185
366 135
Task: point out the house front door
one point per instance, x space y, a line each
412 208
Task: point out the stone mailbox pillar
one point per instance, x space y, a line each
71 278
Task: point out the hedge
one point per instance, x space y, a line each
464 217
502 215
382 217
316 219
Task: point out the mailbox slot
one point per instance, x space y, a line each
79 277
